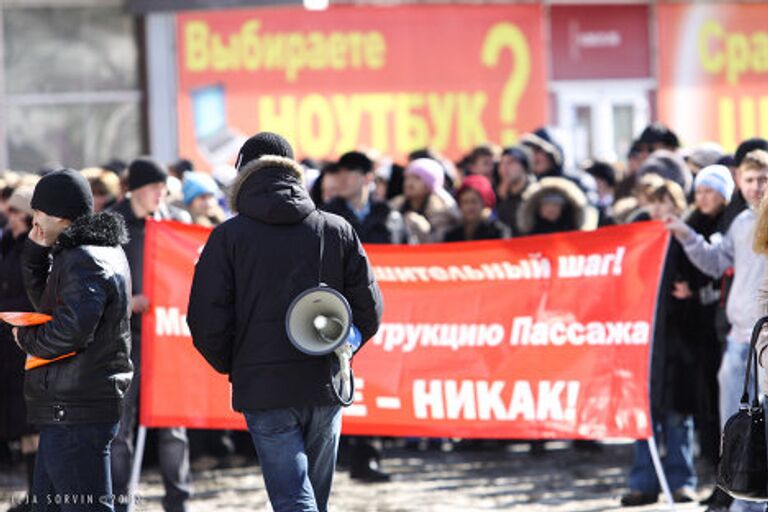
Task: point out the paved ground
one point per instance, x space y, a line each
501 479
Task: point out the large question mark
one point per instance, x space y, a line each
503 36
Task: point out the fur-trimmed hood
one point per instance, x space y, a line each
271 189
585 217
105 229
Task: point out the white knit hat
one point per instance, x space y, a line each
718 178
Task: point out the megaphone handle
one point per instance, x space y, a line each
347 379
345 368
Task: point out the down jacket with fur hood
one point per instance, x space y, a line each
250 270
576 215
84 283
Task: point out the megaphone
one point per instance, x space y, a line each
318 321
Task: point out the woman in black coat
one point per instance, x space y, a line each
13 297
714 188
673 360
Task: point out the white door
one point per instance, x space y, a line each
599 119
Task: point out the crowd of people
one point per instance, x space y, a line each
709 200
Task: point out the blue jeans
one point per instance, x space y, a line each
730 377
674 436
72 468
297 449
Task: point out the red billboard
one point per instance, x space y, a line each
713 71
390 78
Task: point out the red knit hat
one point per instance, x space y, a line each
481 185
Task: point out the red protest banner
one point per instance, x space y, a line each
394 78
538 337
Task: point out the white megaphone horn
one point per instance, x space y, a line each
318 321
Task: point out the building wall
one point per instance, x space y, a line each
70 83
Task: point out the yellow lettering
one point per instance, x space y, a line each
441 109
711 63
508 36
737 49
289 52
282 120
316 57
294 58
726 112
379 108
732 53
195 40
274 53
748 121
392 122
411 130
251 47
469 121
760 52
348 116
337 49
316 126
355 50
375 50
221 55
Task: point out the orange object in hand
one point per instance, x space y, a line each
27 319
24 319
35 362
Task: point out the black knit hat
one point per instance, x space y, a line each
145 171
355 161
261 144
521 154
63 193
657 133
748 146
602 170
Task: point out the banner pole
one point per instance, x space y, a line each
660 472
138 456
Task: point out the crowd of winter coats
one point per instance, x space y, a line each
491 193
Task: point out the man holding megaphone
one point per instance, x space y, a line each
279 294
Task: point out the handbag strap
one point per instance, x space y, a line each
752 366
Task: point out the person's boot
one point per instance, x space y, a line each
638 499
718 501
365 464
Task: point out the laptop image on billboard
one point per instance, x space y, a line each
215 139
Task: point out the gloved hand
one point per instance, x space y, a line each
354 338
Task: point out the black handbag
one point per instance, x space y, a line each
743 468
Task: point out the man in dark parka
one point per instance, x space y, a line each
250 270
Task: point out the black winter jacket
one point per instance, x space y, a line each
86 288
250 270
382 225
134 251
486 230
13 297
676 355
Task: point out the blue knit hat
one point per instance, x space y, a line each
198 183
718 178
